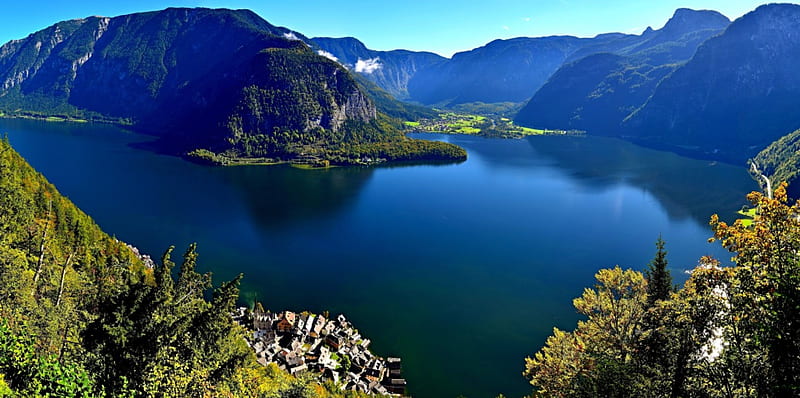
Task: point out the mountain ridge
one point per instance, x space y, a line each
737 94
597 92
260 91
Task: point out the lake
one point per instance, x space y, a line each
460 269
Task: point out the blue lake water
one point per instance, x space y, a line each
461 269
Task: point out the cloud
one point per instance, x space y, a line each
291 36
505 27
368 65
526 19
327 55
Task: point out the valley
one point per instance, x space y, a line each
453 207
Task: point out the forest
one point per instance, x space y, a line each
730 331
81 315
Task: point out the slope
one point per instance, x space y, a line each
259 90
595 93
737 94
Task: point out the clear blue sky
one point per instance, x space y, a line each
440 26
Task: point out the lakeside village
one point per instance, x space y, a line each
331 347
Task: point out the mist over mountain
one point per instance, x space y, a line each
390 70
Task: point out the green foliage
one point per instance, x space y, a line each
764 290
97 323
729 332
780 162
34 375
591 360
659 281
5 390
390 106
165 338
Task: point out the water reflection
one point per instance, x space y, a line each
686 188
278 196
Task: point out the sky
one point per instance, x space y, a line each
440 26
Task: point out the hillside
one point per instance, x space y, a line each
738 94
597 92
780 162
501 71
259 92
390 70
84 315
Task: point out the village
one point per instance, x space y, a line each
332 348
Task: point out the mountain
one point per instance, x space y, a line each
390 70
501 71
676 41
780 162
739 93
84 315
614 78
214 79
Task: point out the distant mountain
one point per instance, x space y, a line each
501 71
615 77
390 70
677 41
223 80
739 93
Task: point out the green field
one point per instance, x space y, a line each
750 214
471 124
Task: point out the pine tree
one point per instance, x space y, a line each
659 280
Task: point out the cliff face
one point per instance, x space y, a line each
167 70
390 70
739 93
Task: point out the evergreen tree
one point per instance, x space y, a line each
659 280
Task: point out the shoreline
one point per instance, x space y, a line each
333 349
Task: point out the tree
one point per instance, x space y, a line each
765 288
659 280
596 359
165 338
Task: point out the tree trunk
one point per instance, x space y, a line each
63 274
40 263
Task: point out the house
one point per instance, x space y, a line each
286 324
309 324
319 323
333 341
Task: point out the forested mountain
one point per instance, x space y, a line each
501 71
390 70
597 92
259 90
780 162
739 93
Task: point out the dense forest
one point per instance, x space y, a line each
81 315
780 162
730 331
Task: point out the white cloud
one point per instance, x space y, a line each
291 36
327 55
368 65
526 19
506 27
